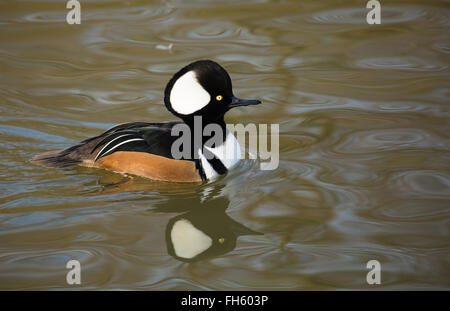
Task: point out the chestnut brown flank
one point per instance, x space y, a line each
149 166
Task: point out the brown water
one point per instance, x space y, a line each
364 144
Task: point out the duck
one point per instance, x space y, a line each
200 94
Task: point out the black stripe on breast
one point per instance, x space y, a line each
218 166
215 162
201 171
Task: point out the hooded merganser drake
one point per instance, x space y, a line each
201 89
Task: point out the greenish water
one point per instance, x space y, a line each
364 144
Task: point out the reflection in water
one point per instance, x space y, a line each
205 230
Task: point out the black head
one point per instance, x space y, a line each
202 88
203 233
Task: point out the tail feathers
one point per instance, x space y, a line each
56 158
81 153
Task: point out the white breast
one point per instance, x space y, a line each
229 153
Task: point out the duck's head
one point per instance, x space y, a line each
202 88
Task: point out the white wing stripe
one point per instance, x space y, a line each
124 142
100 152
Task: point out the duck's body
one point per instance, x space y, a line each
142 149
137 148
145 149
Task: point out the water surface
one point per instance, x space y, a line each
364 144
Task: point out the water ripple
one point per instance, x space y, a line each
351 15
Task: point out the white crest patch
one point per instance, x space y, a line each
187 240
187 95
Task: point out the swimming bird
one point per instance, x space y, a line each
202 91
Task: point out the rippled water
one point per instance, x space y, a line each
364 144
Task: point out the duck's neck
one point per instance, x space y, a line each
207 127
217 149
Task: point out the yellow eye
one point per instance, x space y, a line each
219 97
221 240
